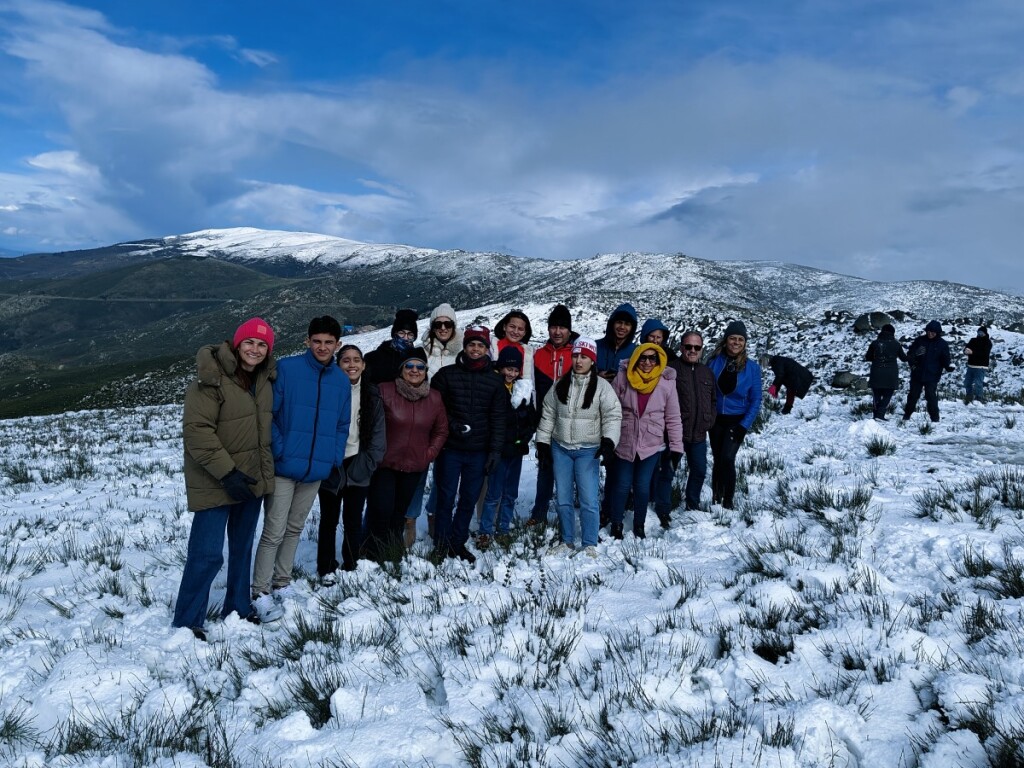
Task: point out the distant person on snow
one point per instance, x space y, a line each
738 401
929 358
791 375
383 363
978 351
309 433
884 354
228 468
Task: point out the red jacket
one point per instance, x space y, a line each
416 430
549 365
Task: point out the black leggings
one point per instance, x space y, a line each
723 449
352 499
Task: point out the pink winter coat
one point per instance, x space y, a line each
644 436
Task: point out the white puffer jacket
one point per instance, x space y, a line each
571 425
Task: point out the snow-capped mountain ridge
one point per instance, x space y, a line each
756 286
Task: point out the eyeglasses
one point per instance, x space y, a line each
407 335
411 366
693 347
647 359
439 324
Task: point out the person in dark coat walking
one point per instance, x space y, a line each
476 402
791 375
695 386
384 363
978 351
929 359
348 484
884 354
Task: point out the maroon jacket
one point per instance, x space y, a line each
416 430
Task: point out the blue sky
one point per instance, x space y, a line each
876 138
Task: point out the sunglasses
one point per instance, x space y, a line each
693 347
439 324
410 366
647 359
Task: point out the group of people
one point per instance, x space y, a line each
929 358
363 432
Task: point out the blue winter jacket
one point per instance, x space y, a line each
608 358
312 410
746 398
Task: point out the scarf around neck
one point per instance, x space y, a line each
411 393
641 382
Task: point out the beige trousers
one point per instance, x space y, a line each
284 516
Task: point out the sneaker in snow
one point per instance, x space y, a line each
267 608
329 579
287 592
590 551
560 549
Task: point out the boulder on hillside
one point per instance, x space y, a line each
849 380
872 321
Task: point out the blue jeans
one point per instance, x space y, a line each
637 475
206 556
974 383
580 469
545 492
661 484
456 473
697 470
503 490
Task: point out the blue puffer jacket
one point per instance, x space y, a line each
312 409
746 398
608 358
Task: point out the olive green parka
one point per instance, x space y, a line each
226 427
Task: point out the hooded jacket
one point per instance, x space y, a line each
654 324
226 427
312 410
928 358
608 357
643 435
884 354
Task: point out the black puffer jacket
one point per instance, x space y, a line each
477 404
384 363
884 354
791 375
695 386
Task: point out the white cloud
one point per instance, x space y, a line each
843 164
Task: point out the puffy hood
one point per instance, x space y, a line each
654 324
215 361
624 310
935 326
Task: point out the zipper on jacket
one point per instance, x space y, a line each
316 423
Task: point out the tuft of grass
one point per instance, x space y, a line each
880 445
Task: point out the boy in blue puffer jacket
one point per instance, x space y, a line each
312 411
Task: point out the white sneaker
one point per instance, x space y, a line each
560 549
267 608
590 551
287 592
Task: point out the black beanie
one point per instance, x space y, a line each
560 316
735 328
405 320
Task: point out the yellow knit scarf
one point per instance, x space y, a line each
645 383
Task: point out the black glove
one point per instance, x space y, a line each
606 451
237 483
492 462
544 455
738 433
677 458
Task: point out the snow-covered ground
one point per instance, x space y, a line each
855 610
